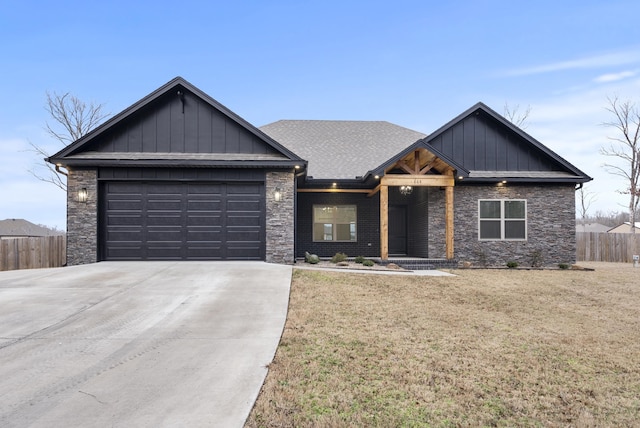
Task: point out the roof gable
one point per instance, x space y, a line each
174 122
489 146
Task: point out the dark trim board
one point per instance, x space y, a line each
163 220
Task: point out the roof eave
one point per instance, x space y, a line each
95 163
493 180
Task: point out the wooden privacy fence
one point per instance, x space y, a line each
607 247
32 253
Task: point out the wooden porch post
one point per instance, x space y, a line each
384 222
448 215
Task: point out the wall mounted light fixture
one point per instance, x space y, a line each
277 194
83 195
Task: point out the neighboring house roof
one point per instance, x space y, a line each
625 228
592 227
14 228
342 149
177 125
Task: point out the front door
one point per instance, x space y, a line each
397 230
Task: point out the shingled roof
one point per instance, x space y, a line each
342 149
16 227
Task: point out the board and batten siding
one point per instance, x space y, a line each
480 143
176 126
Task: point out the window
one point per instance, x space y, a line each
334 223
502 219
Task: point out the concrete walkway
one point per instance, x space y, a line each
138 344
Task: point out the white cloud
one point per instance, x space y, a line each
596 61
613 77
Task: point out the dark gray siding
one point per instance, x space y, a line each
181 174
368 223
368 243
171 126
481 143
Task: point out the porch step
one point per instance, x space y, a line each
422 264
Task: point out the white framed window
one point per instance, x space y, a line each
502 220
334 223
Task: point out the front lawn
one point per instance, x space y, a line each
484 348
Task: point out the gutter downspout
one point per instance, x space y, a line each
66 174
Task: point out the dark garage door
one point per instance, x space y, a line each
182 221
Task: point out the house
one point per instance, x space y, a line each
179 176
20 228
626 228
592 227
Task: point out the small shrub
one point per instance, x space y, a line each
512 264
368 263
482 258
563 266
359 259
536 258
338 257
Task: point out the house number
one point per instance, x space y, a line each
417 181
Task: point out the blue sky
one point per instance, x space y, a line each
414 63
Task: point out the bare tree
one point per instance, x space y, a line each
585 198
515 116
71 120
625 146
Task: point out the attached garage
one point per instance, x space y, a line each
183 221
178 176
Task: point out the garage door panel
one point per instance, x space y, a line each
125 219
244 205
243 221
123 252
123 235
205 219
243 253
172 221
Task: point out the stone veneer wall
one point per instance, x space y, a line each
280 222
437 226
82 218
550 225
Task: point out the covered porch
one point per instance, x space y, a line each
416 170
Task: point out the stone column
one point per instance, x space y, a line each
82 218
280 222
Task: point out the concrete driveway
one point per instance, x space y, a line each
138 344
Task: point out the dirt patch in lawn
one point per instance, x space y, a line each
483 348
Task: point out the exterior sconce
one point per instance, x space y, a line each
83 195
277 194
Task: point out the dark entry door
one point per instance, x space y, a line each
398 230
